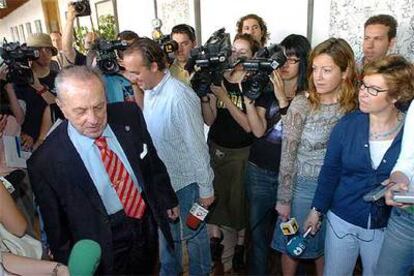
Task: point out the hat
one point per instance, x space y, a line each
41 40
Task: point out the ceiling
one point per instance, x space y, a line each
11 6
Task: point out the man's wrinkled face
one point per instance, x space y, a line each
84 105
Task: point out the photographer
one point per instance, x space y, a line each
184 35
229 140
265 118
71 54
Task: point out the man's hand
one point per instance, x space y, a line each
71 12
398 181
173 213
206 201
283 210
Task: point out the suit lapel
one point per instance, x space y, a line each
71 163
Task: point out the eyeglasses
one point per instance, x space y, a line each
371 90
292 60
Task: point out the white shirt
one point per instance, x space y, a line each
172 112
405 163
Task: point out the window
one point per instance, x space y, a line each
16 34
21 30
38 25
29 28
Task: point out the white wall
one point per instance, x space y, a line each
282 17
28 12
321 15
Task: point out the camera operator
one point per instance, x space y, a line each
185 37
265 117
38 95
229 140
71 54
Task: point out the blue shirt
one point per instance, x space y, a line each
117 88
91 157
347 174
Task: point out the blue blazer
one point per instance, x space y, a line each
347 174
69 202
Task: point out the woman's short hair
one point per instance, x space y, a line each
343 56
299 46
262 24
398 74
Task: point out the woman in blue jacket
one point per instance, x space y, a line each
362 151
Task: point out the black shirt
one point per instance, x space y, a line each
265 151
35 104
225 131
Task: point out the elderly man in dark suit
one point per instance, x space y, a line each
98 176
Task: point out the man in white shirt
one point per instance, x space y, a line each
173 114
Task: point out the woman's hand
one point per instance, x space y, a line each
279 88
283 210
219 91
314 221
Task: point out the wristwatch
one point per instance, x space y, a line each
317 211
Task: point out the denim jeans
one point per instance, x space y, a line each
345 242
261 190
197 241
397 252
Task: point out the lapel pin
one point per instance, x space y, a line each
127 128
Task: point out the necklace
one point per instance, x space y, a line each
381 135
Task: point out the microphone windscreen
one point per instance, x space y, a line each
84 258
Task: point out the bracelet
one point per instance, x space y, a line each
205 101
43 90
55 269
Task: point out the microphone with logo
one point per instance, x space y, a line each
196 215
84 258
297 245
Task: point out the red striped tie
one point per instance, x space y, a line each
130 197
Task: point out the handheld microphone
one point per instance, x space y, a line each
196 215
297 245
84 258
289 227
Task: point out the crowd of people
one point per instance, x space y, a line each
122 159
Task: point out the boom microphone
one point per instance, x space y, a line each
84 258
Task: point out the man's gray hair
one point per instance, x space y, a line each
73 72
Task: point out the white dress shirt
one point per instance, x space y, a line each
172 111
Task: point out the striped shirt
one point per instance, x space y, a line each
173 114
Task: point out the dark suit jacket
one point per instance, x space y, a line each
69 202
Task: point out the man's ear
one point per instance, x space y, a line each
391 44
154 67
